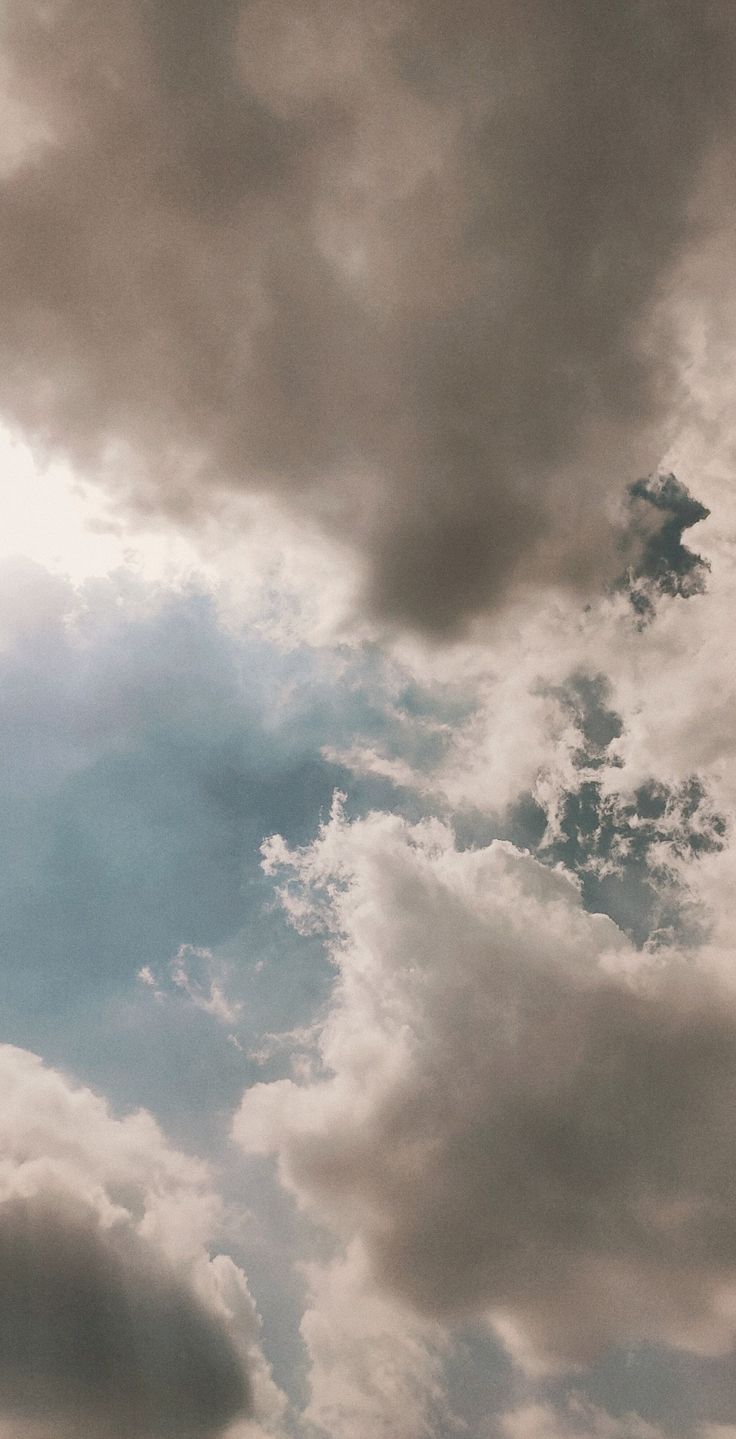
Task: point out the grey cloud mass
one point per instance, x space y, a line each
114 1321
397 264
99 1338
665 566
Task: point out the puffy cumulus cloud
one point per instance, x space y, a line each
113 1318
93 1331
400 266
515 1113
374 1369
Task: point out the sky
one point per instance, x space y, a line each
367 755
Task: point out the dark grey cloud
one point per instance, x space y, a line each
96 1337
662 509
585 698
680 1391
553 1182
396 263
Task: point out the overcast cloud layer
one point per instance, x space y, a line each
399 263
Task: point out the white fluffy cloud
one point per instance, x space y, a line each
113 1317
375 1370
516 1114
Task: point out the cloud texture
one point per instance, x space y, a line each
406 287
518 1115
374 1369
113 1319
398 264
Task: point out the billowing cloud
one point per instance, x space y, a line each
113 1318
399 265
92 1330
375 1369
517 1114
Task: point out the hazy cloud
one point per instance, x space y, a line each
397 264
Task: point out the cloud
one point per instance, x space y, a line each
577 1420
664 565
631 851
195 973
374 1368
519 1116
113 1318
517 709
92 1330
399 267
536 756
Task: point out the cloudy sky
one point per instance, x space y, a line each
367 751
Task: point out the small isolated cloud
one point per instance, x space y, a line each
519 1116
113 1318
197 974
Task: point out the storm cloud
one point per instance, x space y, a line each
399 265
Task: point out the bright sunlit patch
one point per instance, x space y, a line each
51 517
263 567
